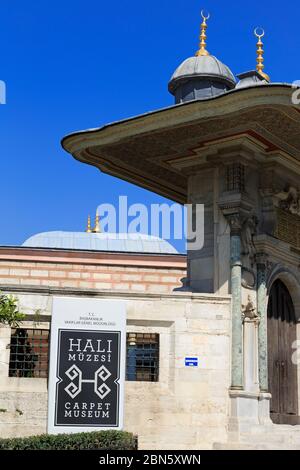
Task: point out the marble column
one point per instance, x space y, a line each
262 329
236 293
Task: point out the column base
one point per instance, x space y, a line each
264 408
247 409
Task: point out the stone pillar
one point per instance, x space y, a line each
236 293
251 383
262 329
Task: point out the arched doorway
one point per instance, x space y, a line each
282 372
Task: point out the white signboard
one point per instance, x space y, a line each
87 365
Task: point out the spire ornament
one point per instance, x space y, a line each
89 228
202 46
97 229
259 33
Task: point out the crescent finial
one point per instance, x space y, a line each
205 17
261 34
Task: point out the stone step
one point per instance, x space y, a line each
280 440
243 446
287 435
231 446
265 437
275 428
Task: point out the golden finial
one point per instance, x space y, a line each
259 33
202 46
97 229
89 228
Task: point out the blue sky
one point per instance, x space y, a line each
72 65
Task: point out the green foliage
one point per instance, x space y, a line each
9 312
105 440
37 316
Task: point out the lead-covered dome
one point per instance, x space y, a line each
201 77
118 242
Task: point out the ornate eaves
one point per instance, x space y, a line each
149 150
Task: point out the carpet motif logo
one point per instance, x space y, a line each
74 388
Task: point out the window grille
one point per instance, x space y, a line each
29 355
29 351
142 357
236 177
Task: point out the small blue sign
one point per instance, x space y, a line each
191 362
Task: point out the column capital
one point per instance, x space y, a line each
235 222
261 259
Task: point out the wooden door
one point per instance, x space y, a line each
282 372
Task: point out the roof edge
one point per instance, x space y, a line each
69 137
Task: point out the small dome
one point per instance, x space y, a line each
201 77
205 66
118 242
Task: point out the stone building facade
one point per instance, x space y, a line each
186 323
